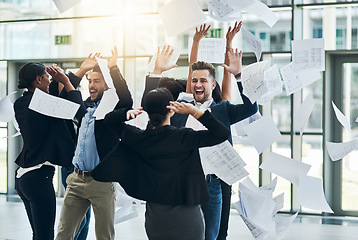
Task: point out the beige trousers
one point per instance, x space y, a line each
81 192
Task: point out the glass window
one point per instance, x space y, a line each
283 147
3 160
315 121
37 40
278 38
350 163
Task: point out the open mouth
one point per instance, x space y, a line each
93 92
199 92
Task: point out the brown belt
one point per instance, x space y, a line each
83 173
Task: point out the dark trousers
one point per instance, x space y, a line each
225 211
36 190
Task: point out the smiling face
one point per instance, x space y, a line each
202 85
96 85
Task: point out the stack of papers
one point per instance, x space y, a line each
257 207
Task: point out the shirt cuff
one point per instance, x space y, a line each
155 75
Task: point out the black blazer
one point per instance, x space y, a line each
45 138
106 141
160 165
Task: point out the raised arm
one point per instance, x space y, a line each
238 112
199 34
72 95
88 64
125 97
161 65
226 83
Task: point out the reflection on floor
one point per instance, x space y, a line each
14 226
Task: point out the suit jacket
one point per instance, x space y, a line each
160 165
45 138
223 111
105 139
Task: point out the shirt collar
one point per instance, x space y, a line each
204 105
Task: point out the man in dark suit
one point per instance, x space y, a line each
94 142
202 85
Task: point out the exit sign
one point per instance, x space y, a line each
63 39
214 33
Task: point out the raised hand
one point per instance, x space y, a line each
231 32
112 61
200 34
235 62
132 114
162 61
185 108
88 64
57 74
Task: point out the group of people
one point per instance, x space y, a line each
160 165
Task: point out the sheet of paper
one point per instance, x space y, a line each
273 82
173 60
123 203
279 200
257 232
12 136
296 80
124 218
183 96
308 53
262 11
254 43
224 161
285 167
342 118
283 224
221 7
257 204
270 186
339 150
108 103
180 15
235 16
263 133
237 129
64 5
7 112
210 50
303 113
52 106
311 194
253 81
239 5
103 65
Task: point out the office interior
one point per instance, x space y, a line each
34 30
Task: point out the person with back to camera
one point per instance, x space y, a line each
202 85
166 171
47 142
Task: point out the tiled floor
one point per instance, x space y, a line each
14 226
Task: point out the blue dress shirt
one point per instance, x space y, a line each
86 156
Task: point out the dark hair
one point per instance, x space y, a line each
155 105
28 74
97 69
174 86
217 94
201 65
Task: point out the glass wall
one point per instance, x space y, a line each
29 29
3 132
